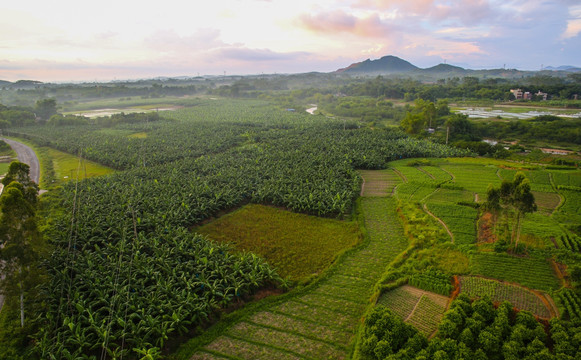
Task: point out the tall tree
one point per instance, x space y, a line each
513 198
20 172
45 108
19 236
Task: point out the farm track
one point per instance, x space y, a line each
322 322
440 221
427 173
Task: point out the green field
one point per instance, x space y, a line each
530 272
298 246
419 308
276 194
4 168
518 296
68 167
321 321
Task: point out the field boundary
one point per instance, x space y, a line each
333 304
440 221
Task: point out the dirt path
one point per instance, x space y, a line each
26 155
321 321
427 173
452 176
441 222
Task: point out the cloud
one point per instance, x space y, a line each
461 11
253 55
453 50
573 24
170 42
339 21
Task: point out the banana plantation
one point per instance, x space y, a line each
126 276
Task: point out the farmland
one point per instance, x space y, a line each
497 291
125 225
298 246
196 214
419 308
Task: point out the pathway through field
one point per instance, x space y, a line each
321 323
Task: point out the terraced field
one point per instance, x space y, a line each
522 298
321 321
420 308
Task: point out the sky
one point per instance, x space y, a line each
66 40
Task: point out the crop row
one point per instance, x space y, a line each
432 280
570 241
498 292
461 220
567 178
400 301
531 272
427 315
571 302
474 178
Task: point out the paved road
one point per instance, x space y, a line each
26 155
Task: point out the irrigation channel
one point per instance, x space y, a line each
321 320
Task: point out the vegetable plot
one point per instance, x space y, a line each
520 297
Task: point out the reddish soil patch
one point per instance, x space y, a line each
560 270
263 293
456 291
486 229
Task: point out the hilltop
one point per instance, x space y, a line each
390 65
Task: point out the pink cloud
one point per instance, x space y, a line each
340 22
463 11
451 50
574 23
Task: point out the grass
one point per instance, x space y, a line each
299 246
115 132
546 201
4 168
55 165
139 135
6 150
67 166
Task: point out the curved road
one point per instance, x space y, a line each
26 155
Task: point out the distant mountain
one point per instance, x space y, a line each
394 65
4 83
444 68
386 65
567 68
24 84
